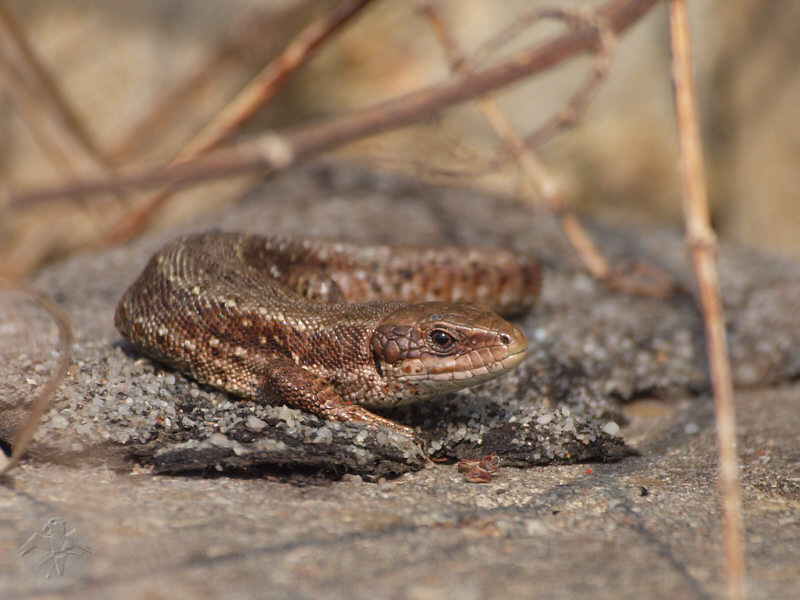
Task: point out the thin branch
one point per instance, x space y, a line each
532 168
566 117
24 434
580 100
16 33
160 115
27 104
273 151
265 85
701 241
60 133
245 105
252 35
58 143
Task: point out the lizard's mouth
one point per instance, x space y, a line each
514 358
474 367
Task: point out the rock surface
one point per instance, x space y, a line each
268 515
644 527
590 347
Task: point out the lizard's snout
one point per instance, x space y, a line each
515 344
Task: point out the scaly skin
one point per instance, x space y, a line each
310 324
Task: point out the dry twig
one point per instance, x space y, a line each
24 434
37 72
274 151
660 284
252 35
701 241
62 135
242 108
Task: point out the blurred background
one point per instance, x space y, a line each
143 76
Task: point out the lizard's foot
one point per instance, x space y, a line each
353 412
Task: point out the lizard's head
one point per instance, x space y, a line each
438 347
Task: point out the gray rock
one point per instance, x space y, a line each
591 348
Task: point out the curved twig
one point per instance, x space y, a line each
24 434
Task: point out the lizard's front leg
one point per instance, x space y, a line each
297 387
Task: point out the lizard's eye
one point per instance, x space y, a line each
441 340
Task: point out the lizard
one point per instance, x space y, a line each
330 328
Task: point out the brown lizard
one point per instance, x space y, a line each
329 328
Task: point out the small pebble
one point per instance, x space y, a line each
58 421
255 424
323 435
